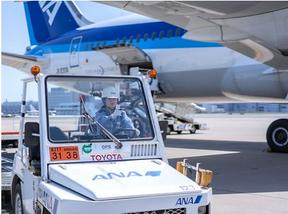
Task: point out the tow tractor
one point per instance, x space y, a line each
75 165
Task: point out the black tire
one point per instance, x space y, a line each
179 132
6 198
193 130
17 200
277 136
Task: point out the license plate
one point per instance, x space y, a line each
64 153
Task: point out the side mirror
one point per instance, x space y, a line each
163 128
31 137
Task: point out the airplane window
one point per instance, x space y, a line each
138 37
169 33
124 40
161 34
131 39
145 37
153 35
177 32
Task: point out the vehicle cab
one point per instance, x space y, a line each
76 159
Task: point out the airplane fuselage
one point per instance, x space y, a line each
188 70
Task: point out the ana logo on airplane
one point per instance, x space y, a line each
51 9
111 175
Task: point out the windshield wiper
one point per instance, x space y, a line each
104 130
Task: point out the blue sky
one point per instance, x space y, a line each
14 38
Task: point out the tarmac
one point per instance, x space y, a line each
247 177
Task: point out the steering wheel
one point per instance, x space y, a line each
127 131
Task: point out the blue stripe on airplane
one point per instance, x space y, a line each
165 36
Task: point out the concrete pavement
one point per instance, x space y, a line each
247 177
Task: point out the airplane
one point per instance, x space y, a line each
255 29
64 41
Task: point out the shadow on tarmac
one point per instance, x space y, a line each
251 169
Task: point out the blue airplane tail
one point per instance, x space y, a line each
49 19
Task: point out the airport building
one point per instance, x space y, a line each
61 102
67 109
64 103
246 107
59 97
14 108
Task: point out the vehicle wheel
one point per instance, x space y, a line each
18 203
179 132
277 136
193 130
6 197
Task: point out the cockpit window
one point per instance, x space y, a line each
83 109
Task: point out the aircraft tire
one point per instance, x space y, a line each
277 136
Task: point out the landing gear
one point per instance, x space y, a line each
277 135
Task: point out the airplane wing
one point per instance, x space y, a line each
255 29
21 62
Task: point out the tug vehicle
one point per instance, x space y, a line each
64 166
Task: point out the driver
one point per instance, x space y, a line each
111 117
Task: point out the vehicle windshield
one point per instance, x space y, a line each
77 105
